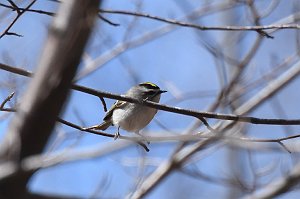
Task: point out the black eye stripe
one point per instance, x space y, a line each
151 92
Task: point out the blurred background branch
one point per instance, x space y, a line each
34 120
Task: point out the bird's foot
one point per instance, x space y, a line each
90 128
117 135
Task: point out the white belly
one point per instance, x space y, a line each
133 120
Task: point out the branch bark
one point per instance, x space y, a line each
34 121
267 92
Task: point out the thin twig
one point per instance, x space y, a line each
19 14
75 126
29 10
101 133
283 146
206 124
200 27
257 19
103 103
258 29
8 98
108 21
15 7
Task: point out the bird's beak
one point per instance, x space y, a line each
161 91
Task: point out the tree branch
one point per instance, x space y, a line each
196 114
278 187
6 100
191 25
19 14
258 28
34 121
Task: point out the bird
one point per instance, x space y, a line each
132 117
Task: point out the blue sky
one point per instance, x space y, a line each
177 62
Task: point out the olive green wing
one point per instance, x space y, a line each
107 119
117 104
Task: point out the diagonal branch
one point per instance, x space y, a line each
181 156
34 121
19 14
278 187
8 98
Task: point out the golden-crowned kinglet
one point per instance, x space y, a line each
129 116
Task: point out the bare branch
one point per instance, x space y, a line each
75 126
107 21
165 138
138 141
278 187
19 14
259 28
103 104
198 114
181 156
16 70
191 25
29 10
29 130
6 100
245 84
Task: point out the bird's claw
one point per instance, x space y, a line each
117 135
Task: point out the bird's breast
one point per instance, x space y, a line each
134 118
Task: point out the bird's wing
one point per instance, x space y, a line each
117 104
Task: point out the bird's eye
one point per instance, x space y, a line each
151 92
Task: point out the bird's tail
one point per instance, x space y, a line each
103 126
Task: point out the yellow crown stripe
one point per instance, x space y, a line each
149 84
